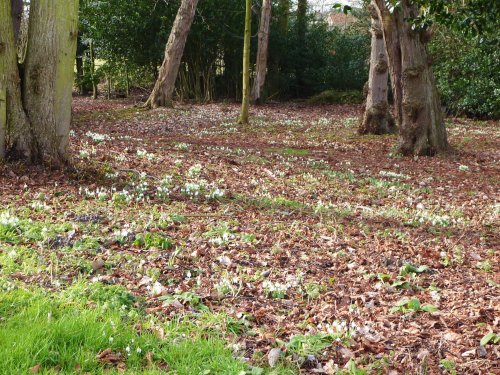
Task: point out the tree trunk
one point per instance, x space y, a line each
391 30
283 15
92 70
48 84
300 59
245 101
17 16
262 49
3 120
165 84
17 133
377 118
79 75
422 130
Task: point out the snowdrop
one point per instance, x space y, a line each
7 220
96 137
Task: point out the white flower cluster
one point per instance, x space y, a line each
393 175
122 196
182 146
275 290
195 170
323 121
322 207
139 190
146 155
39 206
8 221
99 193
340 329
194 189
228 286
97 137
423 216
164 188
223 238
87 151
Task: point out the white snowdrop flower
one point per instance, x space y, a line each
138 350
127 349
111 338
435 295
463 168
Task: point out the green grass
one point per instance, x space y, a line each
288 151
66 330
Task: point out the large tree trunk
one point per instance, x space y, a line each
245 101
391 29
377 118
262 50
48 84
17 132
165 84
17 16
421 130
38 124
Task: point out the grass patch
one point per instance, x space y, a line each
290 151
67 331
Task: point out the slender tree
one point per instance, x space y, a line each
3 120
283 15
377 118
39 106
417 104
262 51
165 84
300 59
245 100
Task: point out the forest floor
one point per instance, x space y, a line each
292 241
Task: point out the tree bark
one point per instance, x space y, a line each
391 29
165 84
283 15
245 101
17 132
262 51
421 130
377 118
95 91
3 120
48 83
300 59
17 16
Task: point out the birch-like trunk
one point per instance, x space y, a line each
262 51
245 100
421 130
165 84
377 118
